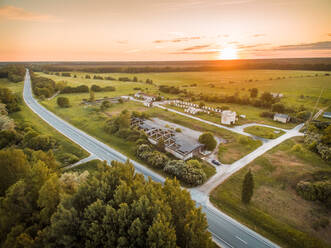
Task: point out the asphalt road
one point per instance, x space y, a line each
225 231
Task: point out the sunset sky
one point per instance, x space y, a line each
127 30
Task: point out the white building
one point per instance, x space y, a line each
228 117
281 118
145 97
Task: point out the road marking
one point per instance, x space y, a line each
241 240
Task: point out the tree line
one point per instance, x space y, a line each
14 73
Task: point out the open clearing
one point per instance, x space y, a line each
264 132
276 211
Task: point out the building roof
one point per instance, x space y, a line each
186 144
281 115
327 114
182 144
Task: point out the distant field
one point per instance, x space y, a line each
299 87
276 211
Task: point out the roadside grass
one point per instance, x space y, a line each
90 166
264 132
234 150
28 116
276 211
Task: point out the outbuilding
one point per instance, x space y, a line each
327 115
228 117
283 118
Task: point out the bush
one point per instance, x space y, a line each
267 114
63 102
278 107
178 130
68 159
105 105
78 89
41 142
208 140
297 148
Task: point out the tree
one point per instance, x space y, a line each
105 105
208 140
326 138
63 102
117 207
13 166
160 145
278 107
254 92
247 188
91 95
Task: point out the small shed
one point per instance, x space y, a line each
283 118
327 115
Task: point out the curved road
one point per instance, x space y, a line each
225 231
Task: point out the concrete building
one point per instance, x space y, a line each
228 117
283 118
145 97
177 144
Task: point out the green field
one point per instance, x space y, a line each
27 115
276 211
264 132
91 120
299 87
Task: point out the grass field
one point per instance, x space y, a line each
90 166
91 120
299 87
27 115
264 132
292 84
276 211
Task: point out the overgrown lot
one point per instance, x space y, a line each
264 132
276 210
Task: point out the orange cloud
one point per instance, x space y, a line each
178 39
196 47
13 13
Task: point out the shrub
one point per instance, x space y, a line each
63 102
208 140
68 158
297 148
178 130
267 114
278 107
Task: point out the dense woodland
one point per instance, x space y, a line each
315 64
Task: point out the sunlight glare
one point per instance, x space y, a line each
228 53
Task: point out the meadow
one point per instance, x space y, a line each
298 87
276 210
264 132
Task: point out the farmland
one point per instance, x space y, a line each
298 87
276 210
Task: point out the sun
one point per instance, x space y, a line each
228 53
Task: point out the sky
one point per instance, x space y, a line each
163 30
